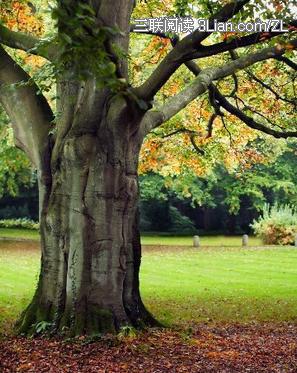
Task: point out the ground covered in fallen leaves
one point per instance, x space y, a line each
233 348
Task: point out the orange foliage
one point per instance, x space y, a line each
21 17
159 47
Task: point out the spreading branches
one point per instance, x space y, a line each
182 52
249 121
172 106
222 102
269 88
235 110
29 112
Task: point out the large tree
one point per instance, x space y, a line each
87 152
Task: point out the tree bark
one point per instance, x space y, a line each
89 280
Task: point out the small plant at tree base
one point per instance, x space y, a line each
42 327
127 332
277 225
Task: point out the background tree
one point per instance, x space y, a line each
224 199
15 168
85 143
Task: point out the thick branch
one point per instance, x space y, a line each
172 106
225 46
25 42
223 102
29 113
17 40
250 121
183 52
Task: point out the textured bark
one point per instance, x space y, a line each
89 225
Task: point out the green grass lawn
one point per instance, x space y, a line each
19 266
19 233
221 284
180 284
150 239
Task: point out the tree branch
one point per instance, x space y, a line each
29 113
250 121
181 130
192 134
225 46
195 146
183 52
223 102
155 117
253 110
266 86
25 42
287 61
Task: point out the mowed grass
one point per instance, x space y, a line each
180 285
221 284
19 267
14 233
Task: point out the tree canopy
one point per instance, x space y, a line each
210 131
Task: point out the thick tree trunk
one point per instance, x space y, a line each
89 230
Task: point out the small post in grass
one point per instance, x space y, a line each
196 241
245 240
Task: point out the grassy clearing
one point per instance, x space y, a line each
179 284
19 233
150 239
221 285
19 267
